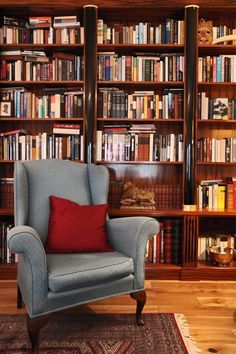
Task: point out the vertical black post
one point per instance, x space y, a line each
191 25
90 67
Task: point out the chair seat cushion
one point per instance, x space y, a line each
71 271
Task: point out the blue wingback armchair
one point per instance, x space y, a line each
53 282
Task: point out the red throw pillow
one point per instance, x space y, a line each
75 228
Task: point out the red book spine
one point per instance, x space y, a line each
167 242
158 246
161 242
234 194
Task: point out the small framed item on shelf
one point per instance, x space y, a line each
6 109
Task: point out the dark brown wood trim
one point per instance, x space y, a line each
90 65
191 24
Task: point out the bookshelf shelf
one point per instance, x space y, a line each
216 85
144 48
172 213
142 120
139 163
217 49
161 84
43 83
217 163
8 271
34 46
216 121
7 161
41 119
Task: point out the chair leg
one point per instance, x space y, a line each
140 297
19 297
33 326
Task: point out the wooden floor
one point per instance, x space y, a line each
209 307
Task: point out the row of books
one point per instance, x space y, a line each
36 66
222 241
41 30
214 194
5 255
6 192
113 145
222 30
51 103
220 68
166 196
216 107
142 67
216 150
62 144
171 31
165 246
116 103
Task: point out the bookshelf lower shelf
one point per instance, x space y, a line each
8 271
201 271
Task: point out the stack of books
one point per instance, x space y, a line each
165 246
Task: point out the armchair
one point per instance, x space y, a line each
53 282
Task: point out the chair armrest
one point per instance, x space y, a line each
129 236
32 267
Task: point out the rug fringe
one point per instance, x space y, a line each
188 339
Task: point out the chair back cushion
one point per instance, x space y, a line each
35 181
75 228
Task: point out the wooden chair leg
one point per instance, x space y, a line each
140 297
19 297
33 326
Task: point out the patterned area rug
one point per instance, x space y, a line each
100 334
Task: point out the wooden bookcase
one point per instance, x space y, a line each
185 174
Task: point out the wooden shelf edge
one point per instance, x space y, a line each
42 82
138 163
143 120
40 45
40 119
133 45
171 212
126 83
217 163
216 83
8 271
201 271
217 121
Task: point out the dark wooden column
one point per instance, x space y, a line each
191 24
90 87
191 231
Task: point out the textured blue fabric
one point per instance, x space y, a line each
54 282
99 183
84 295
32 267
20 194
129 236
71 271
64 179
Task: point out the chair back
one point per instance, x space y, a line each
35 181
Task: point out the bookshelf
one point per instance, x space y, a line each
44 90
164 175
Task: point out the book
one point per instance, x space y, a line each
66 129
12 132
